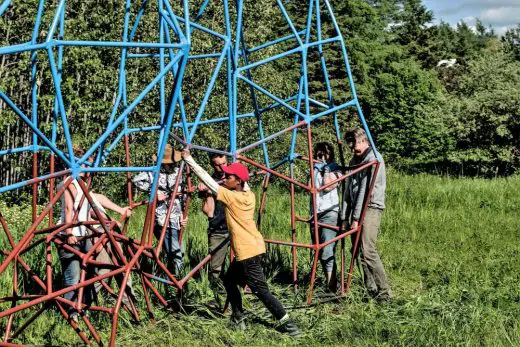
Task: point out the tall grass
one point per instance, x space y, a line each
451 249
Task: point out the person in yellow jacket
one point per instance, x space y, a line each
246 242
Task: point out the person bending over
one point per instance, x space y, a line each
246 242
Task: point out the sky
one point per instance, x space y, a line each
501 14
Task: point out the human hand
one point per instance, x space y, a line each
186 153
161 196
201 187
354 225
184 221
71 239
126 212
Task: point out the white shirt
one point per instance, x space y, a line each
84 210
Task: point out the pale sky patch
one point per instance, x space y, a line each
500 14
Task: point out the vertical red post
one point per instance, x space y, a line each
293 229
314 216
35 186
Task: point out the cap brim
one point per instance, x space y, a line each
227 170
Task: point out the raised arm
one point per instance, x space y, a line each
200 172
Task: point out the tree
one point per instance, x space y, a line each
511 41
487 105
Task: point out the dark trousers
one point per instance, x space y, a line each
71 269
250 272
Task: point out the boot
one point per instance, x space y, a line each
290 328
237 321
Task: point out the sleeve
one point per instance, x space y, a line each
226 196
202 174
142 181
346 208
360 199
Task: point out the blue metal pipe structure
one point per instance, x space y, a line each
253 113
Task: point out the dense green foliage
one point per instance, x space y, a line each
462 119
450 248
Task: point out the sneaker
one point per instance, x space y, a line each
290 328
383 299
74 316
237 321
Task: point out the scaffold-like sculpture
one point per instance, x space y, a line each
234 64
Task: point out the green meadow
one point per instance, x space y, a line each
451 248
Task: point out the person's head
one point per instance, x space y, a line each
357 140
324 151
79 152
167 160
236 175
218 161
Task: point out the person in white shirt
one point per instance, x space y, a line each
327 208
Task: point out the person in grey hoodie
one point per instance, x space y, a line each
354 197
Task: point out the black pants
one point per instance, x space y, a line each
250 272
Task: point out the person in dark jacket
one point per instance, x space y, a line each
218 235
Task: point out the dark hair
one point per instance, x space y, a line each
78 150
326 148
213 155
354 134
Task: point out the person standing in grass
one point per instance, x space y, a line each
355 194
79 237
218 235
167 179
327 208
246 242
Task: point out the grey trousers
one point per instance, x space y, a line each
327 253
375 276
218 243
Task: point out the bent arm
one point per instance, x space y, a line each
202 174
107 203
329 177
208 206
360 199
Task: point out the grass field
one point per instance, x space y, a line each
451 248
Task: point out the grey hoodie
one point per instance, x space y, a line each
358 186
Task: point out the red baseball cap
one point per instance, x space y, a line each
237 169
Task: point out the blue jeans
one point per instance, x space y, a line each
71 268
173 251
327 257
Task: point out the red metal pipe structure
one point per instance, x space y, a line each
138 257
311 190
129 256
